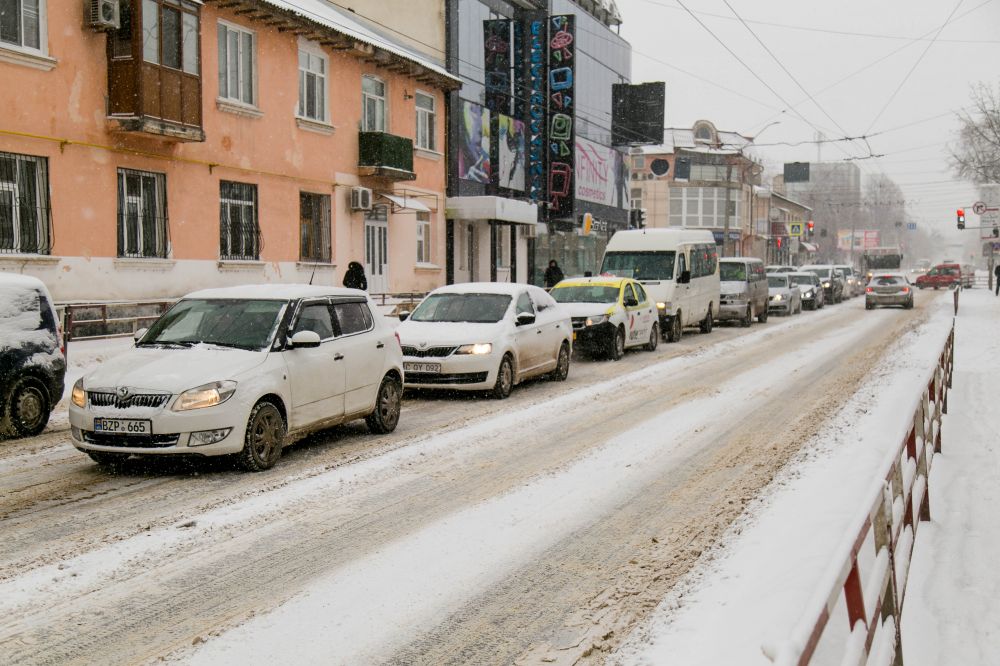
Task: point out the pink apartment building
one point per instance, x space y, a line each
152 147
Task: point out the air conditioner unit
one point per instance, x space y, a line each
650 176
102 15
361 198
529 231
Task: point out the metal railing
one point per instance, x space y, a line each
92 321
895 510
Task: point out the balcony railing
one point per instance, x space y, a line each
385 155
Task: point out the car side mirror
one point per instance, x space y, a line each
138 334
305 340
685 277
404 315
630 302
525 318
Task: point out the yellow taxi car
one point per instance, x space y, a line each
609 314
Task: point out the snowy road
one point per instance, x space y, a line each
536 529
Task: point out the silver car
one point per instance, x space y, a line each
783 296
888 289
810 288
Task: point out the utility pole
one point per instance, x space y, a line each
725 225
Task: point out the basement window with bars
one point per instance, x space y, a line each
25 212
314 227
142 214
238 226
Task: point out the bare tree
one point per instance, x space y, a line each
977 155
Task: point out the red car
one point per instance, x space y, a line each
942 275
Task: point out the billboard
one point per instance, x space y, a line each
863 239
600 174
474 151
796 172
637 113
535 45
510 153
561 118
496 68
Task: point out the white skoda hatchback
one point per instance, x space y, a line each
485 336
243 371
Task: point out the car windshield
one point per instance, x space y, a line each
820 272
732 272
474 308
778 281
801 279
229 322
640 265
585 293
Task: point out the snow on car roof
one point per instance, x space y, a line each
16 280
605 281
511 289
274 291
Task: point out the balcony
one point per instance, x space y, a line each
385 156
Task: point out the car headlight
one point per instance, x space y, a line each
809 292
826 285
79 396
776 297
596 319
664 306
478 349
206 395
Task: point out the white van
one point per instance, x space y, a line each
679 269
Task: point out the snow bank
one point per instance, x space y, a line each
752 590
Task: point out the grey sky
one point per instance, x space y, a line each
664 36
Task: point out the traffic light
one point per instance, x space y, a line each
637 218
810 228
779 243
960 214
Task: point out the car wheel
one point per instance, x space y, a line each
264 438
909 304
762 315
654 338
27 409
618 345
562 364
505 378
747 318
111 461
388 403
706 324
869 306
674 332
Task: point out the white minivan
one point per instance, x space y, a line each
679 268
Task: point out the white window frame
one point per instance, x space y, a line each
371 98
239 79
11 190
718 195
426 134
423 237
43 38
311 51
242 207
161 228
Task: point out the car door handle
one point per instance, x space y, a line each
380 345
338 357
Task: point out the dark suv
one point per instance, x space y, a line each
32 356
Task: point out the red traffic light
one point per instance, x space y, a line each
779 243
960 216
810 224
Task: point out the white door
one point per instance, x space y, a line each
315 375
682 292
377 250
363 353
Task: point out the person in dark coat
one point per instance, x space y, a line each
996 279
355 277
553 274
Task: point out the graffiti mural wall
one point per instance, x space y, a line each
474 151
510 167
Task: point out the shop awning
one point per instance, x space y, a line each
405 202
492 208
808 247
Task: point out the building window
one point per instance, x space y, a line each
372 104
704 207
638 161
636 197
22 23
24 204
237 64
142 214
425 121
170 34
423 237
503 246
314 227
239 230
312 85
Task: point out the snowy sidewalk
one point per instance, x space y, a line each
951 614
752 589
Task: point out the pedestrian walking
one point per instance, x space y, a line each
996 280
553 274
355 277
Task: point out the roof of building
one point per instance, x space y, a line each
345 23
682 138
